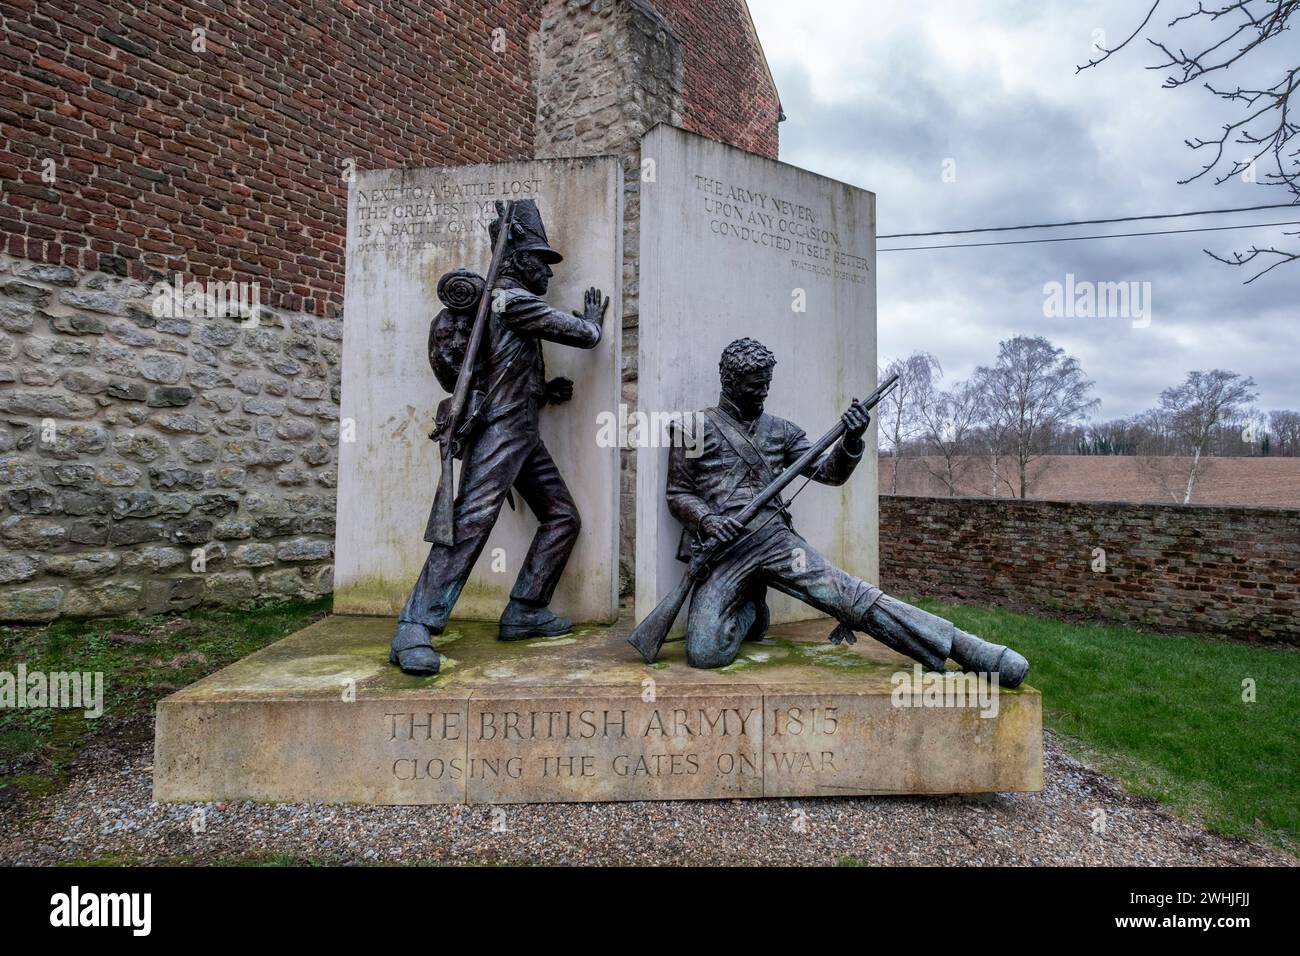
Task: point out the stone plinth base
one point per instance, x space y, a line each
322 717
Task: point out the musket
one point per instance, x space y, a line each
444 532
649 636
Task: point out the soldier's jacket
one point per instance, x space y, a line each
723 478
511 368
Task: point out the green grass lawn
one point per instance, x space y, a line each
142 660
1166 715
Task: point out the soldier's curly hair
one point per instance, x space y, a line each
744 356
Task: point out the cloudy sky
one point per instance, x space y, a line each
883 95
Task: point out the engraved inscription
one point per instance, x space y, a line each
407 730
606 749
597 750
739 214
796 740
619 742
441 216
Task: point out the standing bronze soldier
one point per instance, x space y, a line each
505 449
743 449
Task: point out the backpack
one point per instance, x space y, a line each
460 291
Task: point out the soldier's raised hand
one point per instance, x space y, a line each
856 420
593 309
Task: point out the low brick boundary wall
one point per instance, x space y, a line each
1223 570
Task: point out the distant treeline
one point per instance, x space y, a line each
1035 400
1256 434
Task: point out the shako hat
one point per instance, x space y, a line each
527 234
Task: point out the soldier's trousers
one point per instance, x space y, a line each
508 452
725 606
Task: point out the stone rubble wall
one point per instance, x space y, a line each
152 463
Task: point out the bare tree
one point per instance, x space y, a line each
1158 439
1198 407
1219 38
949 420
898 415
1031 392
1248 433
1284 426
1156 461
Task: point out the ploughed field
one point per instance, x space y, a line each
1266 482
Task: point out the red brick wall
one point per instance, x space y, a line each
227 164
1228 571
729 95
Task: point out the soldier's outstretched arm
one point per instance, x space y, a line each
522 311
837 463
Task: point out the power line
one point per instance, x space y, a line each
1117 235
1083 222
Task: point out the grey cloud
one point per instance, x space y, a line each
1068 147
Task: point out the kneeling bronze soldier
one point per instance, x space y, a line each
741 451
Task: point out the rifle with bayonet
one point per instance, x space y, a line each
450 439
648 636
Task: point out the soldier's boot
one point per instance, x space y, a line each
412 650
522 619
980 656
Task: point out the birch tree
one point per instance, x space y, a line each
1198 407
898 414
1030 393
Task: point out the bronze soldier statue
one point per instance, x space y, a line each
501 447
743 450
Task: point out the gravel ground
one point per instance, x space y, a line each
106 811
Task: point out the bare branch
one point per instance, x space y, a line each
1266 128
1106 54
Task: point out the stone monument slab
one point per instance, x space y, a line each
321 717
733 244
406 228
